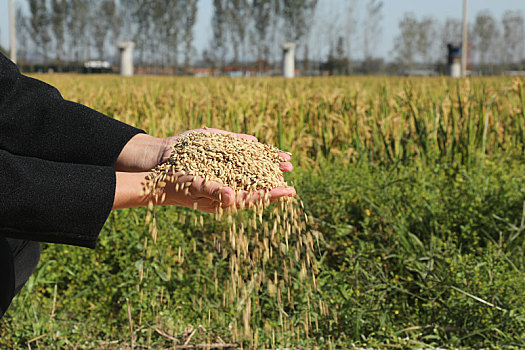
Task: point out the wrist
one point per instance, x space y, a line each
142 153
128 190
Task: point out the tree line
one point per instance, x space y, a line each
492 41
163 30
494 44
342 39
78 30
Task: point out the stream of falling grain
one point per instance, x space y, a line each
269 247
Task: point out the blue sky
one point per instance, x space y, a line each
392 12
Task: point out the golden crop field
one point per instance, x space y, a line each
319 117
414 188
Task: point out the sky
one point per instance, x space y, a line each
393 11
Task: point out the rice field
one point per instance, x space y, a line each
414 192
381 119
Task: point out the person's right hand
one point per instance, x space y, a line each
194 192
188 191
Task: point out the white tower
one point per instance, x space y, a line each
288 60
126 58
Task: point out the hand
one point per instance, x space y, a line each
144 152
188 191
194 192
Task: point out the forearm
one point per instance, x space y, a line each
128 190
53 202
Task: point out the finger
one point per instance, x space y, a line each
279 192
202 130
286 166
285 156
180 178
247 137
215 131
212 190
242 136
245 199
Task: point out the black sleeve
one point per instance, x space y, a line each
54 202
35 121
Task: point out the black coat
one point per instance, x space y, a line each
57 182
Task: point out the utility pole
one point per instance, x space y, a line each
464 41
12 33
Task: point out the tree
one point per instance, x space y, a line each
275 31
340 49
451 32
297 16
126 11
219 26
104 14
116 23
261 13
338 63
239 17
77 23
188 21
39 25
426 37
350 29
160 28
306 60
22 34
486 34
58 20
406 41
372 30
172 28
513 36
141 16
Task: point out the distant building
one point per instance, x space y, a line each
97 67
202 72
454 60
421 72
259 68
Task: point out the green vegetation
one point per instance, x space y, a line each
416 185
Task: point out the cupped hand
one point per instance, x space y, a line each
194 192
144 152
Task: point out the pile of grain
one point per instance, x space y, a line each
235 162
269 251
241 164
